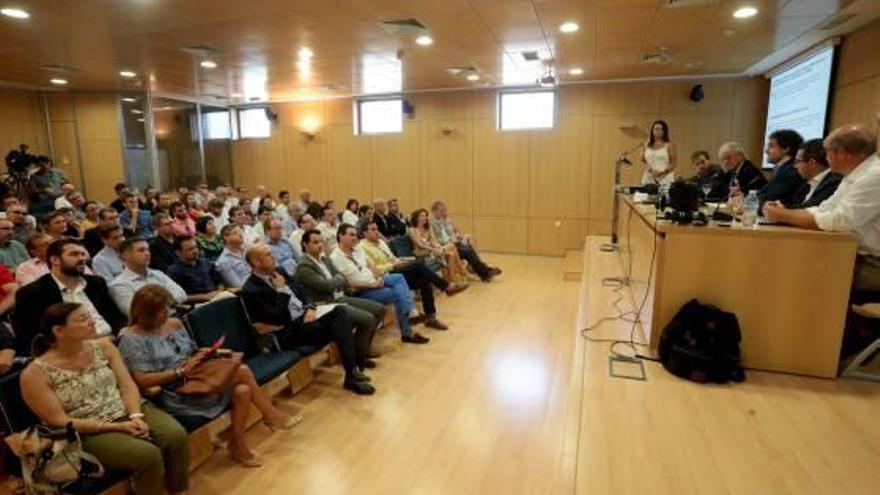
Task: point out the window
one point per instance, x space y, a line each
380 116
526 110
254 123
216 125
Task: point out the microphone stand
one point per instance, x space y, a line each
622 161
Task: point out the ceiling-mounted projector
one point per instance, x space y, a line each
548 79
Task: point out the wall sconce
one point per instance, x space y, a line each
309 128
309 133
447 130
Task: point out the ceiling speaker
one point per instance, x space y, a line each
697 93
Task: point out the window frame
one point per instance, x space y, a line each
500 108
359 128
237 132
229 118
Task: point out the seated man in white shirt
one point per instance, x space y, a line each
351 261
854 207
137 273
327 225
306 223
238 217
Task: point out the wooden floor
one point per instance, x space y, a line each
511 401
488 407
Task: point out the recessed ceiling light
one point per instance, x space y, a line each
473 77
208 64
128 99
305 53
141 120
569 27
15 13
127 74
745 12
136 111
575 71
424 40
58 81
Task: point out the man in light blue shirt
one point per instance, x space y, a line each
138 223
137 273
107 263
231 264
285 255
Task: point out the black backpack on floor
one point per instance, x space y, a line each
702 344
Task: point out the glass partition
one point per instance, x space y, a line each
177 143
217 134
135 145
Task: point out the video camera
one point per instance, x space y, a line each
18 161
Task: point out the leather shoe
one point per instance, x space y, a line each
496 270
455 288
357 375
360 388
415 338
415 320
436 324
368 363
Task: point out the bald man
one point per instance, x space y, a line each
272 297
855 206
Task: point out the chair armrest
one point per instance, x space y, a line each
266 328
870 310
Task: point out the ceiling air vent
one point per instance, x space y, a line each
201 51
58 68
530 56
836 21
674 4
400 27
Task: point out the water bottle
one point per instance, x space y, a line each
750 209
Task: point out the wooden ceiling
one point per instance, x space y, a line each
258 42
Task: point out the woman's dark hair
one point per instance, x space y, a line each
665 132
414 218
364 209
55 315
352 202
147 305
314 209
202 224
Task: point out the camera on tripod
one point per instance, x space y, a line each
18 161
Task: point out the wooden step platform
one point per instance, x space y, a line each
573 266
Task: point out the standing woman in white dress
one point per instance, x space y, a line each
659 157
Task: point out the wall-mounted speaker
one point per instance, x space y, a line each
697 93
271 115
409 110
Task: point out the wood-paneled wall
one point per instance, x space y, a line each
536 192
21 121
856 94
83 125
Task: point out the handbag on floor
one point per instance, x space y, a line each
54 459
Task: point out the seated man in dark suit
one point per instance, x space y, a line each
65 282
198 278
812 164
162 253
107 217
709 175
741 176
782 146
321 282
271 297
